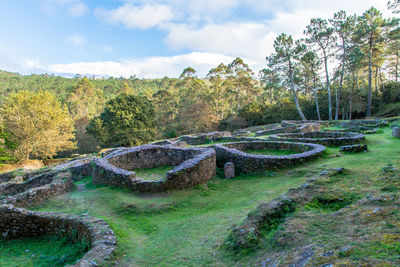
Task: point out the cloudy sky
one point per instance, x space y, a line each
153 38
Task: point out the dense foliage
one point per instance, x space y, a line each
127 120
346 67
38 124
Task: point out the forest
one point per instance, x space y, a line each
344 67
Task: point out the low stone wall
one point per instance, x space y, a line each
288 129
249 163
322 138
21 223
354 148
5 177
204 138
79 167
62 183
12 188
376 123
248 235
192 166
291 128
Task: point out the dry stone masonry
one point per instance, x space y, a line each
20 223
396 132
354 148
192 166
249 163
39 186
322 138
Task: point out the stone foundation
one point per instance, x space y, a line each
354 148
192 166
249 163
322 138
21 223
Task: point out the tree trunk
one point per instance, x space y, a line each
316 100
397 67
355 81
328 85
340 83
381 79
296 101
376 81
369 104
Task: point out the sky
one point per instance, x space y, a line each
153 38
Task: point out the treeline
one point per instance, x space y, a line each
345 67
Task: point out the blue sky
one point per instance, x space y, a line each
153 38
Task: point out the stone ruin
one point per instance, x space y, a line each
291 127
249 163
192 166
116 167
38 186
323 138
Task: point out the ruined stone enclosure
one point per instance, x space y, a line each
34 188
249 163
322 138
191 166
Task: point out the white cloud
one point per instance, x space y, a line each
148 68
31 63
142 17
76 41
77 9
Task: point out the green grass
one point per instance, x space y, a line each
271 152
156 173
189 227
40 252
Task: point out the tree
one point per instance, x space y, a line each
85 102
218 84
343 28
310 66
394 5
284 61
355 63
371 26
393 48
127 120
241 85
38 124
321 34
189 72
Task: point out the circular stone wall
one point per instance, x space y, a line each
322 138
21 223
192 166
248 163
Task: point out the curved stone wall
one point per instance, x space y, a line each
322 138
248 163
192 166
21 223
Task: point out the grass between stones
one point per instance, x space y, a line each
40 252
189 227
156 173
271 152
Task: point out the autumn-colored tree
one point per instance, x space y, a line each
38 124
85 102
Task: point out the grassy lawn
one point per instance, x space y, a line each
39 252
188 228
